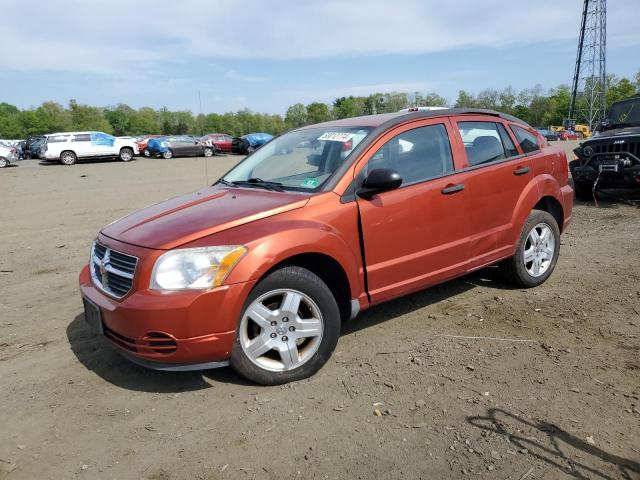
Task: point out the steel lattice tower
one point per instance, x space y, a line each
588 102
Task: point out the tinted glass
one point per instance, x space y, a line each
482 142
57 139
527 140
509 147
417 154
83 137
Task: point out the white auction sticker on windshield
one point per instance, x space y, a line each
337 136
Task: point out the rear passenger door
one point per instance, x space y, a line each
416 235
499 172
82 145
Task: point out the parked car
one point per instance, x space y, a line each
611 157
261 269
34 148
550 135
7 155
142 144
178 146
249 143
568 135
222 141
69 147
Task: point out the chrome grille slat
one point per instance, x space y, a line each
112 271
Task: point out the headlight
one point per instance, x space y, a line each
195 268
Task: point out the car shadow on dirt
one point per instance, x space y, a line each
554 446
97 355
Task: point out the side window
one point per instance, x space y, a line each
527 140
509 147
100 138
83 137
57 139
417 154
482 142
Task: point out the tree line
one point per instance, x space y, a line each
537 106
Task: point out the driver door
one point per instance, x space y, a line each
416 235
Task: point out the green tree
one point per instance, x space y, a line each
347 107
296 116
318 112
84 117
465 100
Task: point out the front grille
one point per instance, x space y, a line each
112 271
632 147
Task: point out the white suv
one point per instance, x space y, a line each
70 147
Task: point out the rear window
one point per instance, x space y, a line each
527 140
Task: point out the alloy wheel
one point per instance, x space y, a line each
539 249
281 330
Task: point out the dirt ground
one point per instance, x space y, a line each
554 393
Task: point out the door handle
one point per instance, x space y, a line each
449 189
521 171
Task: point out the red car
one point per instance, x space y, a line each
142 144
221 140
261 269
568 135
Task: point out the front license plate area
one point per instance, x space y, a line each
93 316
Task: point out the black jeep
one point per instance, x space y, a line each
611 158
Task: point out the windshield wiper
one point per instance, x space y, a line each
225 183
258 182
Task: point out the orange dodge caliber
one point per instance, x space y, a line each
260 270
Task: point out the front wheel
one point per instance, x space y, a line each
289 328
208 152
3 162
536 252
126 154
146 153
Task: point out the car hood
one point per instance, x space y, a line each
186 218
616 132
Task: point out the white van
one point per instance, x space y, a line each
70 147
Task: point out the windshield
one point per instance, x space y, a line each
301 160
625 112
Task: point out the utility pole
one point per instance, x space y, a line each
588 100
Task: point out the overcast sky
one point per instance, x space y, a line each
267 55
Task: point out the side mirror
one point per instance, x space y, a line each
379 180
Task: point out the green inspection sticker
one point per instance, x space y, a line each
310 183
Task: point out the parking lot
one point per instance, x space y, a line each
470 378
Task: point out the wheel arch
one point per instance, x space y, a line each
551 205
330 272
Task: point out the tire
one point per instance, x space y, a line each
146 153
68 158
278 335
167 154
126 154
523 274
4 162
583 190
250 149
208 152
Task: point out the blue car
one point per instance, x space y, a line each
249 143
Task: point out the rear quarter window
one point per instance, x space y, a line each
527 140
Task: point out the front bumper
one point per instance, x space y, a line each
171 330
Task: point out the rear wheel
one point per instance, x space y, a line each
3 162
208 152
167 154
126 154
289 328
68 158
536 252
